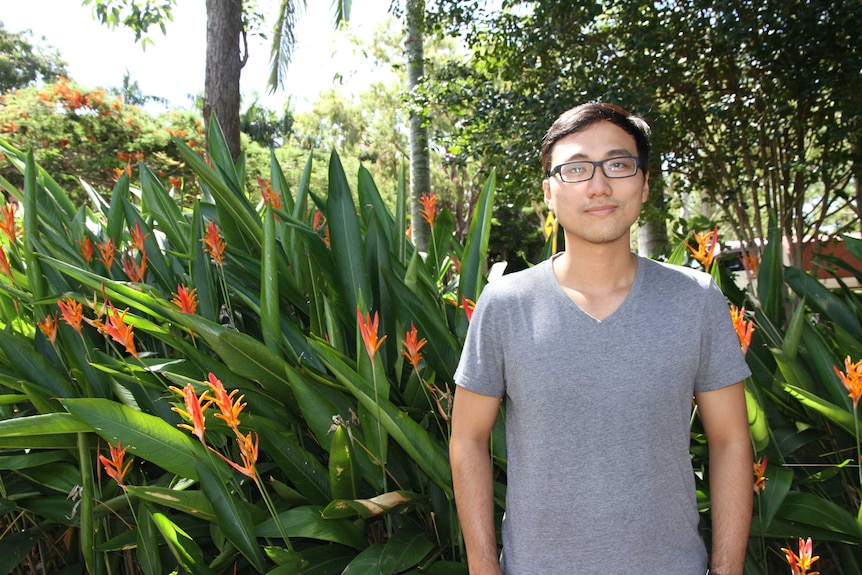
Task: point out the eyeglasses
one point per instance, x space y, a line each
583 170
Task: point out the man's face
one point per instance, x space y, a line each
600 210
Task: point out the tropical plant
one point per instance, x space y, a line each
305 344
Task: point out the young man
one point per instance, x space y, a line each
597 354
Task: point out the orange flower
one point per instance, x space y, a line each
8 224
412 345
107 251
229 407
706 244
851 378
49 327
138 237
87 250
116 467
800 564
270 197
134 271
468 306
213 243
429 204
195 410
72 313
744 328
186 299
759 479
120 331
368 330
176 182
750 262
4 264
248 452
457 263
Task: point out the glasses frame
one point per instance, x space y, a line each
557 170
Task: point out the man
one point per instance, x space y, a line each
597 354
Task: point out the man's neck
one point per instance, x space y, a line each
595 269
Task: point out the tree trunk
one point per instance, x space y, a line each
223 66
420 169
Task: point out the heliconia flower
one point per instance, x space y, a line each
213 243
176 182
248 452
429 207
800 564
4 264
49 327
744 328
87 250
759 471
195 411
186 299
116 467
107 251
73 313
706 244
751 262
468 306
138 237
412 345
456 262
120 331
851 378
368 330
270 197
229 407
134 271
8 224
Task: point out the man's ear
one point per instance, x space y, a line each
546 188
645 192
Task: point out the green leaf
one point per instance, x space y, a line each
145 436
183 547
346 240
156 201
476 246
404 549
307 522
770 276
837 414
15 546
822 300
48 424
193 502
269 308
757 424
769 501
344 473
822 513
146 539
233 518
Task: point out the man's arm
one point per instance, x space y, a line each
731 478
473 417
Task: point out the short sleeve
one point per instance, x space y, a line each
722 361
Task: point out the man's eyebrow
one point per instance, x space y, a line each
616 152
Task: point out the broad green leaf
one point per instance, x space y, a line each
269 307
770 276
367 562
757 424
346 239
371 201
183 547
823 301
147 544
837 414
48 424
145 436
234 520
156 201
307 522
344 473
405 549
476 246
427 454
202 270
194 502
394 501
812 510
15 546
769 501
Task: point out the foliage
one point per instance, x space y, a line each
280 305
753 103
23 64
92 135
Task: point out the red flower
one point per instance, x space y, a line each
368 330
8 224
4 264
120 331
116 467
87 250
213 244
195 410
134 271
412 345
800 564
851 378
429 204
107 251
270 197
759 471
138 237
468 306
186 299
49 327
229 407
706 244
72 313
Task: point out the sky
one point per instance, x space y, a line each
173 67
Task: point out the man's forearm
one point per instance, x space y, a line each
731 493
474 497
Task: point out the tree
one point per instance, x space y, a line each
751 103
228 24
23 64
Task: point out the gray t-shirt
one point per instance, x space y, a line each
599 476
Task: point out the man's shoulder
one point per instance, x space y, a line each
680 276
519 283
